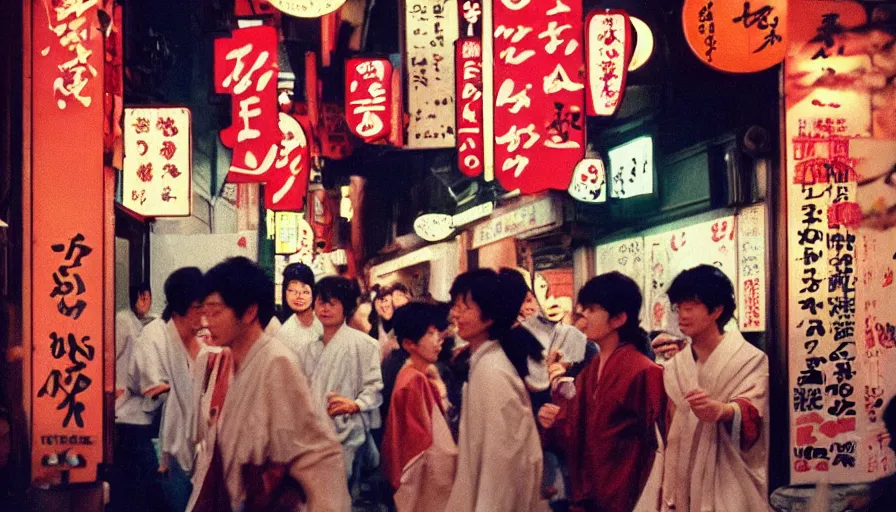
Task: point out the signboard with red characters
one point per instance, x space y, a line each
246 68
468 75
539 95
368 97
288 183
608 49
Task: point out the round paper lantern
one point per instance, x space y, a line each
589 181
433 227
643 45
735 36
307 8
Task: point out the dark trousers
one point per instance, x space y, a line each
134 481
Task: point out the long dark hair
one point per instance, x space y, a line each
617 294
492 295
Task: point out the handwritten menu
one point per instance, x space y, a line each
668 253
157 164
431 28
840 254
751 236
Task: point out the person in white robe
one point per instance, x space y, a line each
499 465
128 324
168 347
302 327
343 368
717 452
259 433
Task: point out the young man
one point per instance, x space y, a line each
343 368
163 357
717 385
302 326
499 463
419 454
608 430
266 426
128 325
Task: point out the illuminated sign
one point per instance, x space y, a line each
608 48
470 147
157 173
589 181
631 168
368 97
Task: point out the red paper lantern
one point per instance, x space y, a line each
608 49
288 183
368 97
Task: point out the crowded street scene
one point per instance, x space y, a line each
448 256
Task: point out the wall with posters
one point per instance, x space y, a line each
841 149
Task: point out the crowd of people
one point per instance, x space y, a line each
479 404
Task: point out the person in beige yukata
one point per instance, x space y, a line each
265 442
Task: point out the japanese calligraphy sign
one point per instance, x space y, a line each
430 32
608 50
631 168
751 236
539 94
540 213
67 242
589 181
840 244
434 227
627 257
288 183
293 235
307 8
246 69
157 168
736 36
470 149
368 97
470 18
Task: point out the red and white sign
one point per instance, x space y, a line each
307 8
246 68
539 95
157 161
589 182
368 97
288 183
470 150
608 49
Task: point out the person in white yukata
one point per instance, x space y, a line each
302 327
163 357
260 434
135 460
499 465
343 367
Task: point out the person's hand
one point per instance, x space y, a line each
337 405
667 345
556 367
547 415
155 391
706 409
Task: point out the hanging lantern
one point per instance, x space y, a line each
368 97
738 37
589 181
608 49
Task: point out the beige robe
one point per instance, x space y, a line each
499 461
705 468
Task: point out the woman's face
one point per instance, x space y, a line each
384 307
467 317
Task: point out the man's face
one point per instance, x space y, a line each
330 313
428 347
529 307
467 316
194 316
596 322
384 307
399 298
298 296
144 303
695 318
224 325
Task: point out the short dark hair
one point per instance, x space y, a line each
709 286
136 291
484 288
298 272
890 422
515 287
182 288
617 293
241 284
340 289
412 320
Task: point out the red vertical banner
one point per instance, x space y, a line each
468 76
368 84
67 216
246 69
539 94
608 50
288 183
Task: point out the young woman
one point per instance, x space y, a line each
608 430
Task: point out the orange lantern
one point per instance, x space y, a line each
734 36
